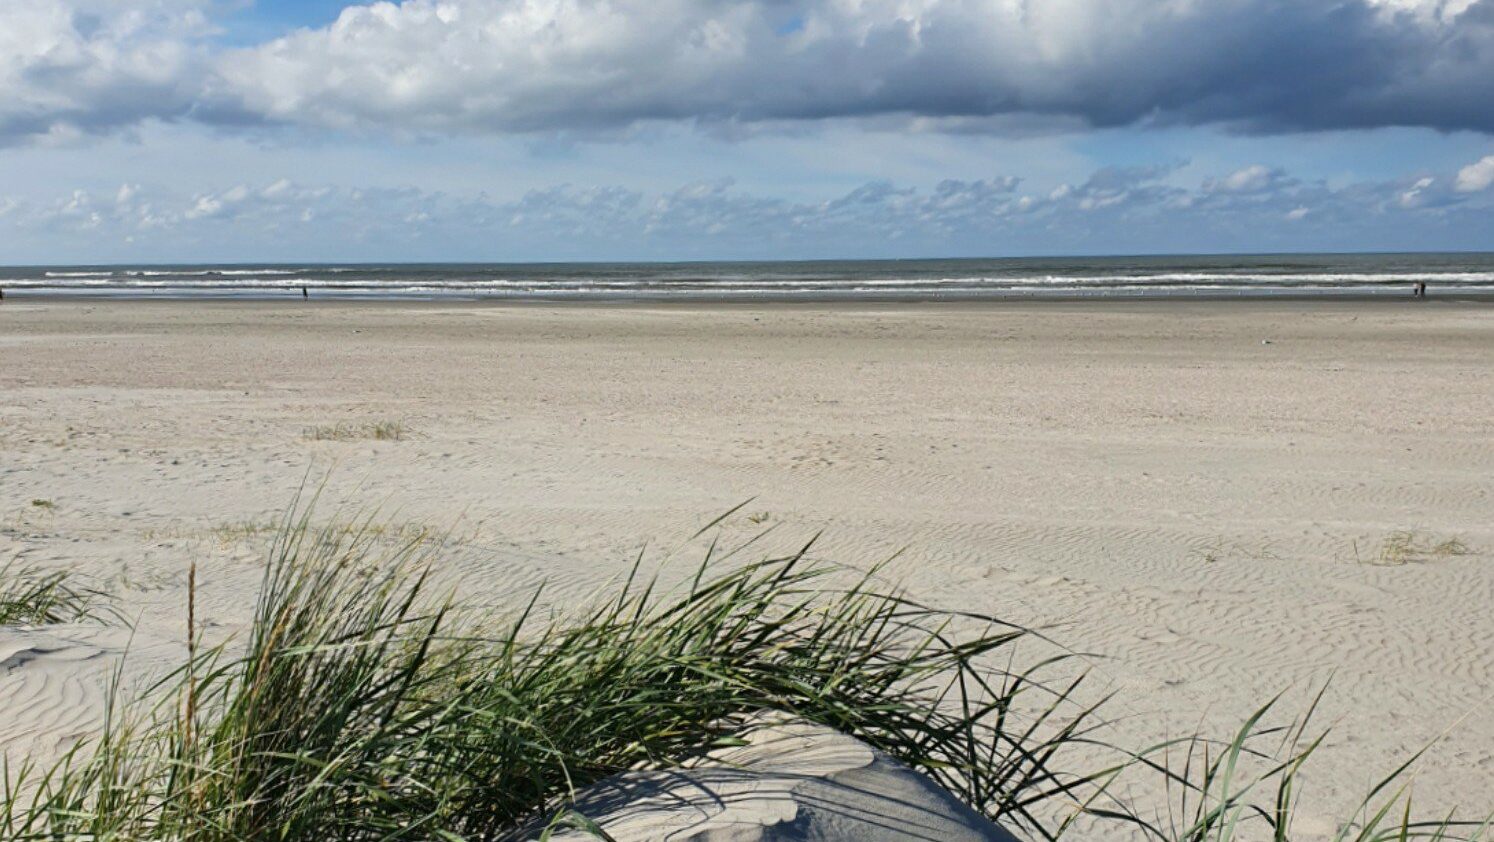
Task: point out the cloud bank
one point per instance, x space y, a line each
1254 207
506 66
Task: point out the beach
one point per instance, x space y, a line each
1216 502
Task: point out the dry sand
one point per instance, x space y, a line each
1202 493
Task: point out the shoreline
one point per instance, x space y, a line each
707 301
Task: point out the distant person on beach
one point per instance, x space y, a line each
1420 290
304 293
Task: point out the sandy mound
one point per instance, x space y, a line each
793 781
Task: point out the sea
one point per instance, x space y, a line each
1172 276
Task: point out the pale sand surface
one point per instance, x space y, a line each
1185 499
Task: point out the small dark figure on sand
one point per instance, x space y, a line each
304 293
1420 290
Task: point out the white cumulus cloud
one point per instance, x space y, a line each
1476 176
1251 179
69 68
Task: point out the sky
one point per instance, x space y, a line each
505 130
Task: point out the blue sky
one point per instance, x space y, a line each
243 23
208 130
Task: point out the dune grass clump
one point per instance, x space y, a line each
384 430
31 596
359 707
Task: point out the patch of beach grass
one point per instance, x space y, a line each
226 534
31 596
1406 546
1220 549
384 430
1239 790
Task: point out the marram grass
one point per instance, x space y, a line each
31 596
361 706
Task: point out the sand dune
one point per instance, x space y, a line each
1221 501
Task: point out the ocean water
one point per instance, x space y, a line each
911 280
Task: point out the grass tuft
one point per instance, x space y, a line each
385 430
1238 790
1404 547
30 596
